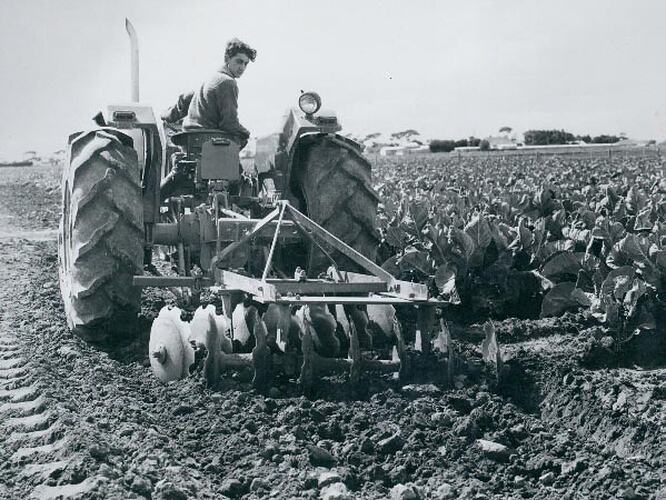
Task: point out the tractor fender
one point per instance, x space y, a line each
276 152
150 143
344 142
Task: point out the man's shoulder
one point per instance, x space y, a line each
221 79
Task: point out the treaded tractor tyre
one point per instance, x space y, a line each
335 183
101 237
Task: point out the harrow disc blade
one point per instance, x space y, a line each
383 318
168 348
241 330
208 327
322 325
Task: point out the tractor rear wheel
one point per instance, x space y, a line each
334 182
101 237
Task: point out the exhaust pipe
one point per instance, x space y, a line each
134 48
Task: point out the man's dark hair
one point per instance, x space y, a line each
235 46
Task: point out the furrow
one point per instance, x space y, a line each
29 393
13 372
8 352
8 364
42 472
44 436
45 492
16 382
24 408
35 453
31 422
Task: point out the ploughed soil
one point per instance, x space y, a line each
565 418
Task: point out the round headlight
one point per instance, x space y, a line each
309 102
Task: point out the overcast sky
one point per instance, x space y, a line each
448 69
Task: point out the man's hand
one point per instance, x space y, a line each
171 126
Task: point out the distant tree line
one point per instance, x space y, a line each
404 133
446 145
544 137
532 138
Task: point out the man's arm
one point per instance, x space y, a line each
227 102
179 111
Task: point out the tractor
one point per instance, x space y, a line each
285 256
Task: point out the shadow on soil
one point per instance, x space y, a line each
646 350
129 347
519 385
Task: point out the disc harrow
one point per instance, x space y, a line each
300 327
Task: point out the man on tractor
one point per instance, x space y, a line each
215 104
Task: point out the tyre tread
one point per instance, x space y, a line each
330 168
103 255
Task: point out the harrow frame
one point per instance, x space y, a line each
341 287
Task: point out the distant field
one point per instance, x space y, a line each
41 173
580 152
31 195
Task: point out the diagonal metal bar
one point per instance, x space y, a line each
339 245
260 225
269 260
231 213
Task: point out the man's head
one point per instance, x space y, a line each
237 56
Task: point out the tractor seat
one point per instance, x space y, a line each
197 136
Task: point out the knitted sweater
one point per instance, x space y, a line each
215 105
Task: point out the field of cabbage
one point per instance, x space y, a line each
516 237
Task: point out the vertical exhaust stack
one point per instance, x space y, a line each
134 48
